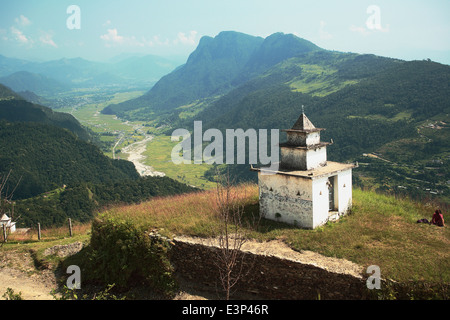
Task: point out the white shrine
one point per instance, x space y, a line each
307 190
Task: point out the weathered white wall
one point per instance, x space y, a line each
303 138
286 199
342 196
345 195
293 159
296 138
313 138
302 201
302 159
320 201
316 157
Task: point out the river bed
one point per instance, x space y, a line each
135 151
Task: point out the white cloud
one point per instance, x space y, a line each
47 39
22 21
112 37
322 33
186 39
19 36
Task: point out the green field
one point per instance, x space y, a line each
89 114
318 80
112 130
158 155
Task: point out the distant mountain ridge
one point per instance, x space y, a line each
141 71
37 83
218 65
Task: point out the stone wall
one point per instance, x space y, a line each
269 277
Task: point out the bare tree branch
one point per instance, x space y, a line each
233 233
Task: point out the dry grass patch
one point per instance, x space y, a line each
189 214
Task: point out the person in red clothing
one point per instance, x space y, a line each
438 218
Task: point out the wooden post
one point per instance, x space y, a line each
70 227
39 231
4 232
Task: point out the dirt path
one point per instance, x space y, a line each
17 272
281 250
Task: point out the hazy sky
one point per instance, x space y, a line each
38 30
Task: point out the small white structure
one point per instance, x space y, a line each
5 220
307 190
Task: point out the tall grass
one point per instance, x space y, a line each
380 230
189 214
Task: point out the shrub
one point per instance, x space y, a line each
11 295
122 254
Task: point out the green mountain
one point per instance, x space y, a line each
44 157
14 109
208 71
388 114
37 83
54 171
81 202
399 114
359 118
217 65
274 49
44 149
34 98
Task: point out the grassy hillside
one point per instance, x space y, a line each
381 230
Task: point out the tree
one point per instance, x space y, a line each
233 233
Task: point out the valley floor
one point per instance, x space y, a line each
135 154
